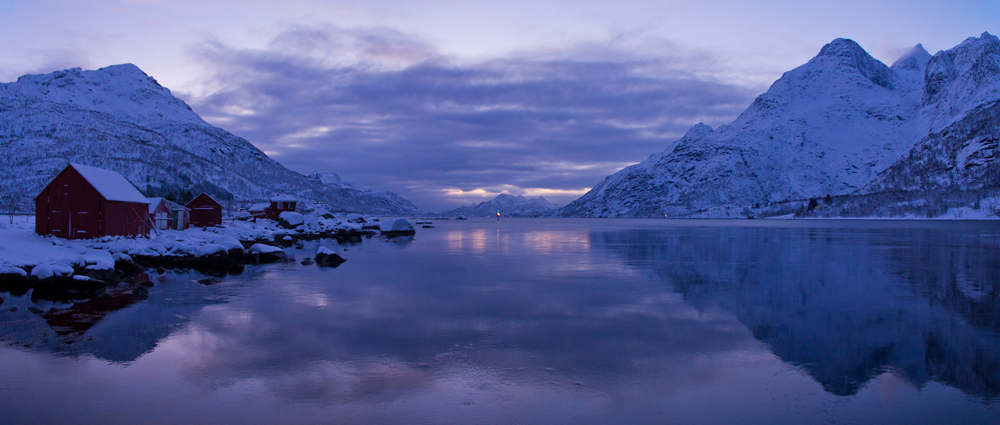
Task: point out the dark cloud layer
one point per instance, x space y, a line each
384 110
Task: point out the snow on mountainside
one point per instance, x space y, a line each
121 119
508 205
962 102
827 127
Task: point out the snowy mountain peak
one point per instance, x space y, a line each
120 119
914 60
698 131
847 52
118 89
963 78
508 205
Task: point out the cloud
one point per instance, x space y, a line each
386 110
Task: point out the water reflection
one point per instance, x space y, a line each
845 304
540 321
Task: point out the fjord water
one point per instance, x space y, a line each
543 321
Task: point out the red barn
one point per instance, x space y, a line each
205 211
86 202
280 204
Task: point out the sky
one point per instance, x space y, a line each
451 102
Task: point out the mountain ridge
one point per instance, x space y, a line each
119 118
831 126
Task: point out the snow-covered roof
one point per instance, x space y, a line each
153 203
111 185
259 207
284 198
173 206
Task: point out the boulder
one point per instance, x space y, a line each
268 253
325 257
397 227
140 292
290 220
210 281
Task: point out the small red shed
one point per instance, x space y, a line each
280 204
168 215
205 211
87 202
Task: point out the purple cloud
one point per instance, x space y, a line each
385 110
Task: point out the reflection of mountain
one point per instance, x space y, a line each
844 304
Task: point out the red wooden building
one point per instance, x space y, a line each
168 215
280 204
205 211
86 202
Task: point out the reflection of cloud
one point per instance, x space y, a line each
407 328
395 114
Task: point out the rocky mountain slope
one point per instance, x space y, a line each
508 205
843 123
121 119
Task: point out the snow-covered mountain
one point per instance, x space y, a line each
121 119
961 102
508 205
830 126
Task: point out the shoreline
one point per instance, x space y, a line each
61 269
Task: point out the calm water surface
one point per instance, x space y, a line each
536 321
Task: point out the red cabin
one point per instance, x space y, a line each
168 215
205 211
280 204
86 202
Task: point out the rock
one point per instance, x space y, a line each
427 226
140 292
327 258
1 300
146 283
128 267
307 261
268 253
210 281
237 254
397 227
161 270
13 310
36 310
290 220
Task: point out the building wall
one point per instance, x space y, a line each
205 211
69 207
124 219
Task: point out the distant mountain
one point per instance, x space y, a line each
121 119
842 124
508 205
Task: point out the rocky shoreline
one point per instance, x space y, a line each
89 279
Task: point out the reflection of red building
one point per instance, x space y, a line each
280 204
87 202
205 211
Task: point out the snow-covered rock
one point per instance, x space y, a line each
209 249
399 226
263 248
290 219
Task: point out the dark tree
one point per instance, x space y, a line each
812 204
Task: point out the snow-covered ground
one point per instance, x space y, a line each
20 246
